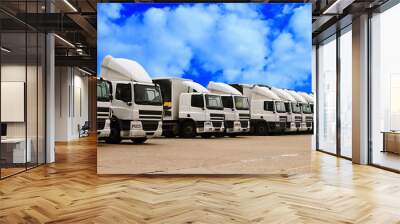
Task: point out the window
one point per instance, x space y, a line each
346 93
197 101
280 107
227 101
287 107
123 92
242 103
327 95
306 108
214 102
385 88
103 90
296 108
147 95
269 106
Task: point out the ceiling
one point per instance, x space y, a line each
73 22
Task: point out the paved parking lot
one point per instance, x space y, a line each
286 154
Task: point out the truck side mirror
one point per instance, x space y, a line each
110 97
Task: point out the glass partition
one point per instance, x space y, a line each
22 77
14 144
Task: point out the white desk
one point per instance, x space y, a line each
16 147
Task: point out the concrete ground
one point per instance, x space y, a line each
241 155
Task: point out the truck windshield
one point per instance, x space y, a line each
147 95
214 102
227 101
280 107
296 108
241 103
306 108
103 91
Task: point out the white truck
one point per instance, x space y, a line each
293 122
189 109
267 110
136 105
308 109
104 98
303 116
236 108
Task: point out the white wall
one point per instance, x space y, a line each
71 87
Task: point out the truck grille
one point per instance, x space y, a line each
244 116
283 119
217 124
217 117
229 124
150 114
309 121
103 109
297 119
100 124
103 112
150 125
244 124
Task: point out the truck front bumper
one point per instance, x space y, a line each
138 131
303 127
239 127
277 127
291 127
105 131
209 128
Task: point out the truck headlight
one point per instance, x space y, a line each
136 125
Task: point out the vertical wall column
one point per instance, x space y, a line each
360 89
50 98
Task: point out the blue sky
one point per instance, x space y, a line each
232 43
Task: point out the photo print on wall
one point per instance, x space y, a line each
218 88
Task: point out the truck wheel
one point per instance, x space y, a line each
206 135
169 134
115 137
138 140
261 129
188 130
219 134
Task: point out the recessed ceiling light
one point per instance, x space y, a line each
64 40
84 71
70 5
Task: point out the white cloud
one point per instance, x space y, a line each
112 11
233 40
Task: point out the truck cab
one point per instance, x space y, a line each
301 116
236 108
104 98
308 110
201 113
293 123
136 105
267 111
189 109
